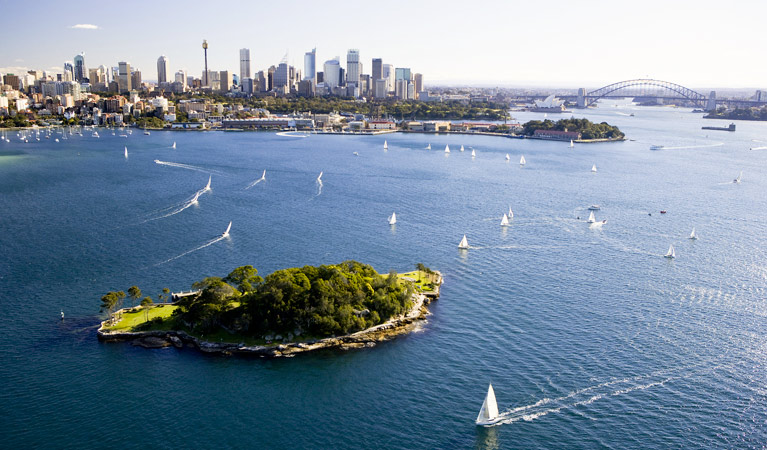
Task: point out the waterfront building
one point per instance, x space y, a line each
310 65
80 71
124 76
557 135
332 73
244 63
162 69
550 104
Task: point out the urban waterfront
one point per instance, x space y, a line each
589 336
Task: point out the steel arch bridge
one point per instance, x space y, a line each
683 92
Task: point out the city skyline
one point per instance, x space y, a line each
572 45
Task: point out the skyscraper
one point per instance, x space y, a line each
377 72
225 80
353 67
124 76
402 73
80 71
69 72
281 77
310 65
332 70
244 63
162 69
417 84
388 75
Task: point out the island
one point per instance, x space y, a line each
578 130
346 305
752 113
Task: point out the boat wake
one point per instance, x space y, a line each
207 244
764 147
263 178
184 166
319 188
175 209
295 134
684 147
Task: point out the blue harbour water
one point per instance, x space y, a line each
589 336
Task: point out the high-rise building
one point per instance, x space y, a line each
310 65
181 77
380 89
417 84
244 63
281 77
80 71
263 82
11 80
332 71
135 78
246 85
353 67
69 72
388 75
400 89
226 81
377 71
162 69
402 73
124 76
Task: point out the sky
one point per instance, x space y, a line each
551 43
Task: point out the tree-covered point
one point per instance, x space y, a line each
739 113
587 128
316 301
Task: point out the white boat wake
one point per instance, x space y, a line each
184 166
684 147
193 200
764 147
295 134
319 188
263 178
207 244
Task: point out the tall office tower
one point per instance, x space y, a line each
310 65
246 85
69 72
263 81
244 63
353 67
181 77
124 76
205 80
332 71
135 77
380 89
388 75
402 73
377 72
270 77
162 69
98 76
400 89
281 76
226 81
417 84
80 71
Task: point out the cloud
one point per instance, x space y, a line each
17 70
85 26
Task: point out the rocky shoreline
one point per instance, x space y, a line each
365 338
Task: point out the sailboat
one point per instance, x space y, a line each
145 131
207 186
511 213
592 219
126 152
174 145
508 157
473 153
447 149
263 175
572 144
671 254
428 147
693 235
461 147
386 145
393 218
594 168
319 178
505 221
522 161
488 414
464 244
226 233
737 180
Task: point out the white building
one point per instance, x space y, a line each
332 76
310 65
388 75
353 67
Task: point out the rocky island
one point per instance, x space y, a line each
346 305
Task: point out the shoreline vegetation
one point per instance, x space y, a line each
346 305
754 113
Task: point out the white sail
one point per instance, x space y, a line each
511 213
393 218
671 252
592 219
522 161
174 145
319 178
464 243
447 149
428 147
207 186
571 143
489 411
126 152
693 235
461 147
473 153
226 233
263 176
386 145
505 220
737 180
594 168
508 157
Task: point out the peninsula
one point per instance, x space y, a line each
346 305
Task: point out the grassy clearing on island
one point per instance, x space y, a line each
138 316
423 281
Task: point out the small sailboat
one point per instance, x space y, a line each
393 218
428 147
319 178
473 153
572 144
511 213
488 414
207 186
263 175
693 235
594 168
461 147
508 157
591 219
505 220
737 180
386 145
126 152
447 149
464 244
522 161
226 233
356 154
174 145
671 254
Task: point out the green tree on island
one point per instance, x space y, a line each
146 304
135 293
245 278
111 301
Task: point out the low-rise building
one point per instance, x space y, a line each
556 135
382 125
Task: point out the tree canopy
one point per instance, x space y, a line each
587 128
